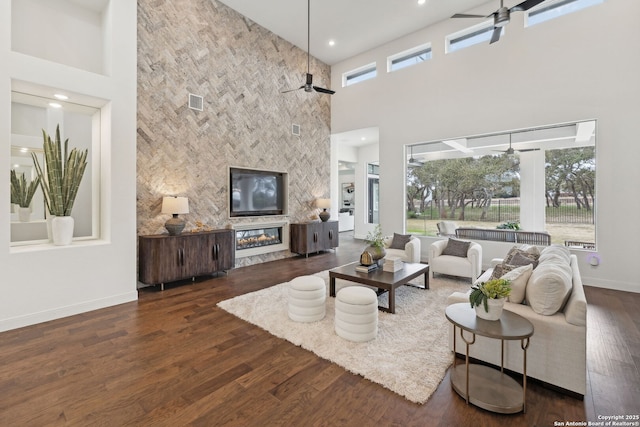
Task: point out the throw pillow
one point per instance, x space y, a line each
518 278
530 249
457 248
555 251
501 269
399 241
549 288
521 258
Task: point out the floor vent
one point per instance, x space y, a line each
295 129
195 102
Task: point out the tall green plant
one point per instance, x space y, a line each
21 191
63 174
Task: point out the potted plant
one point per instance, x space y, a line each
376 243
60 183
22 193
488 298
509 225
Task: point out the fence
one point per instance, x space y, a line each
503 210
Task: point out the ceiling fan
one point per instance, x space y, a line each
502 16
510 151
412 161
308 85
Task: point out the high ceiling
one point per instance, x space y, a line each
354 25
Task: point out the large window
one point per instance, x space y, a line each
540 179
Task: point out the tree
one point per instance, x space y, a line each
570 171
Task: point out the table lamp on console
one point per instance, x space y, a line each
175 205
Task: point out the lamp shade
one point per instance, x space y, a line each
175 205
323 203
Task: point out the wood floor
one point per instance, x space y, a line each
173 358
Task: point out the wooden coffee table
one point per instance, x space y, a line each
385 281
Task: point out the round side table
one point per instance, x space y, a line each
480 385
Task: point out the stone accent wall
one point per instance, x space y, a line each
205 48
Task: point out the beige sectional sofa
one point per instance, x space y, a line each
557 349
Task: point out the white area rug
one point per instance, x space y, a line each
410 355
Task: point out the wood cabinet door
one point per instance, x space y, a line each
208 253
198 254
224 250
331 234
161 259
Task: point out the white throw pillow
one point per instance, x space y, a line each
555 251
549 288
518 278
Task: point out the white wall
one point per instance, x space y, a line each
581 66
43 282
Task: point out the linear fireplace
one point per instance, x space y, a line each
261 238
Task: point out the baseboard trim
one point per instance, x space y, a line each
66 311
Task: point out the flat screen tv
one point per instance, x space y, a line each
255 192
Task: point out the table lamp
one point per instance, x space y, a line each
323 204
174 206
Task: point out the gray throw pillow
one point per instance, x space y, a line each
399 241
456 248
521 259
502 269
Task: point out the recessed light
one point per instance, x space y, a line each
54 105
61 96
363 139
421 2
332 42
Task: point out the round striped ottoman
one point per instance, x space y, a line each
356 316
306 299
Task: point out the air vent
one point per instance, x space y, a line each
195 102
295 129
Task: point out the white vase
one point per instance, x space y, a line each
24 214
495 309
62 230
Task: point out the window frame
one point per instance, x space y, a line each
554 5
468 33
409 54
359 72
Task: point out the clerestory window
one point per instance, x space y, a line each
359 74
409 57
553 9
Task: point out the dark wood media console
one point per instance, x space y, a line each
163 258
313 237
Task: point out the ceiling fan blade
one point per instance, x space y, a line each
525 5
528 149
496 35
292 90
323 90
465 15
